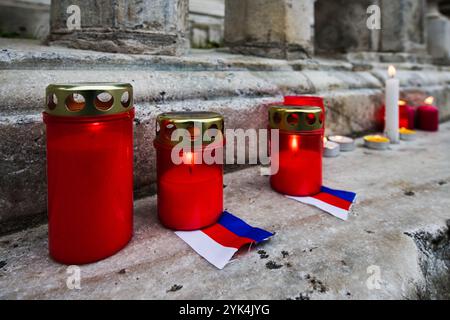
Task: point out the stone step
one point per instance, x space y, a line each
392 239
238 87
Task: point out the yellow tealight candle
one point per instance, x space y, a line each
407 135
376 142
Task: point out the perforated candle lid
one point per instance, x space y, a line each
197 124
296 118
88 99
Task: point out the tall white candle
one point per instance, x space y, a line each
392 110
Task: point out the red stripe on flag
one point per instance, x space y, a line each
333 200
225 237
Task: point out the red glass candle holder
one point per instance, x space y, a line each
297 166
190 189
407 116
89 170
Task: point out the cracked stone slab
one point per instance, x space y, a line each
312 256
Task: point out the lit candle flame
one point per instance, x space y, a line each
429 101
294 142
188 158
391 71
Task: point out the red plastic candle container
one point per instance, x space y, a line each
89 170
305 101
190 186
297 166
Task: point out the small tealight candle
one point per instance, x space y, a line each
407 135
330 149
376 142
345 143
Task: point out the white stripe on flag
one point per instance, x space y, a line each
335 211
209 249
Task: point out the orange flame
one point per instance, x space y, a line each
294 142
188 158
391 71
429 101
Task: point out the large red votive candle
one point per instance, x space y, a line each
190 175
297 166
89 170
428 116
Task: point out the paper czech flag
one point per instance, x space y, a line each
219 242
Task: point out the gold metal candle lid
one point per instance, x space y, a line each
296 118
197 124
88 99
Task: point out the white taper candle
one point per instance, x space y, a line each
392 110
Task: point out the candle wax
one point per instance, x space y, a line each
392 110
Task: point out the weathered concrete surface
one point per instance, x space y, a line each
404 24
282 29
25 18
206 23
438 28
341 26
402 190
239 87
144 26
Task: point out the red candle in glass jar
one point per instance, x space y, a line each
297 166
89 170
190 193
407 115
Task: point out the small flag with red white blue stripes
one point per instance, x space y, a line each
219 242
336 202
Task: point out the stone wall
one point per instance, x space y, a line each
340 26
280 29
25 18
236 86
128 26
438 27
31 19
206 23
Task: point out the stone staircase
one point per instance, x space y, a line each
392 247
239 87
